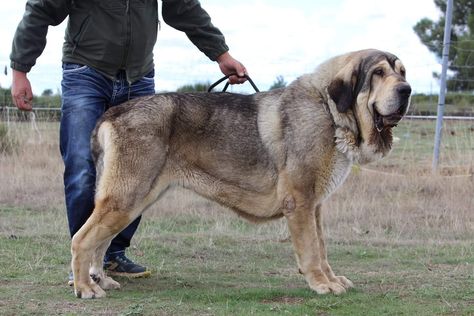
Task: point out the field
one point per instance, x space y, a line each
402 235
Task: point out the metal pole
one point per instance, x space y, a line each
442 89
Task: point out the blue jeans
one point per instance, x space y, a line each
86 95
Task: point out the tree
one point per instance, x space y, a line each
461 51
5 94
47 93
278 83
196 87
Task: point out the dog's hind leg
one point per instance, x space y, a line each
302 226
104 223
342 280
128 181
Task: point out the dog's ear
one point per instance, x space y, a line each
342 88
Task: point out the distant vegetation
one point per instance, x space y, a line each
47 99
422 104
456 104
278 83
461 63
196 87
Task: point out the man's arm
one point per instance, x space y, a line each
22 95
189 17
29 42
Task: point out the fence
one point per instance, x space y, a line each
413 146
12 114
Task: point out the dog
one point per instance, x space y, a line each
267 155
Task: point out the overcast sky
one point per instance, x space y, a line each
270 37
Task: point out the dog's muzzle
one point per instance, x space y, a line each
391 120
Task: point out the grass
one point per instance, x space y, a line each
405 241
200 271
8 143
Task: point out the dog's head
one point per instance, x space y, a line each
372 83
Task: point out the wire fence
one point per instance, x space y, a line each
415 134
413 146
12 114
461 71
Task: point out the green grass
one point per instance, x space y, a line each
198 270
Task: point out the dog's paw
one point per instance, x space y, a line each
89 291
320 283
345 281
108 283
330 287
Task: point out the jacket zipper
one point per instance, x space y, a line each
128 36
77 38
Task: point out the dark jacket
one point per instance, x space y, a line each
111 35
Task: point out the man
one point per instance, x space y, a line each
107 59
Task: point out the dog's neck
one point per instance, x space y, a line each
358 147
358 152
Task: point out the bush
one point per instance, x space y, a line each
8 144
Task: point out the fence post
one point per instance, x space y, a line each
442 89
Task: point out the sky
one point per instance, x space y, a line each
270 37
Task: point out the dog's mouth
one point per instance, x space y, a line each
382 122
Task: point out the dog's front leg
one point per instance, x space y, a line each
302 225
342 280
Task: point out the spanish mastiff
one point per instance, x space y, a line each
268 155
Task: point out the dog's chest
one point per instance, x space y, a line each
337 175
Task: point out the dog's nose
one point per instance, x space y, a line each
404 90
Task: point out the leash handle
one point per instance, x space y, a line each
212 86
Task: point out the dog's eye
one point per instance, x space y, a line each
402 72
378 72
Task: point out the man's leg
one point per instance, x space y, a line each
84 100
86 95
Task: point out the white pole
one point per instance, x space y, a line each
442 89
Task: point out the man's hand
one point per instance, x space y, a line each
229 65
21 91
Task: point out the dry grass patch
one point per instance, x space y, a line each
394 200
